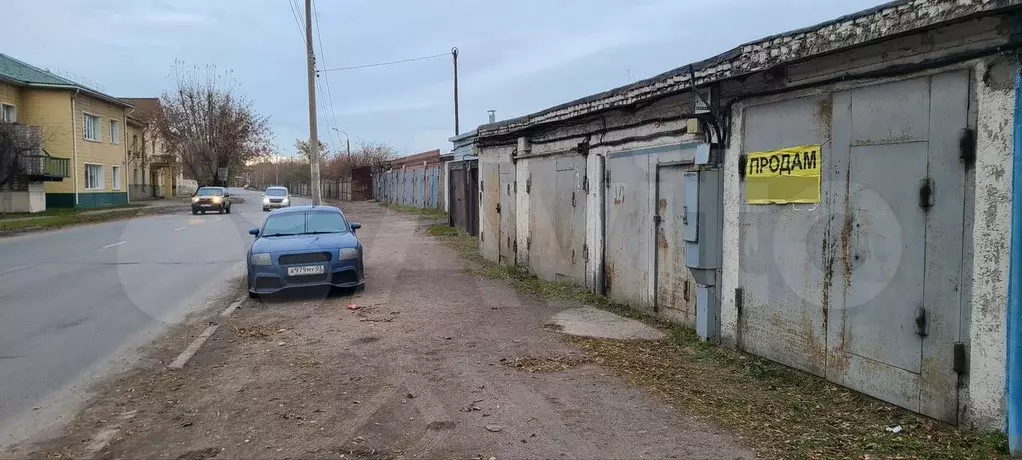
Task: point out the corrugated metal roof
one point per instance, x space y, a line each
20 72
24 74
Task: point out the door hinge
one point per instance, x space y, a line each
573 257
498 208
481 182
743 161
739 300
508 243
922 325
528 243
528 184
926 193
482 236
585 183
573 199
515 186
961 363
514 245
606 178
585 252
656 219
685 292
967 146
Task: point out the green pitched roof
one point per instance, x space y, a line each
23 74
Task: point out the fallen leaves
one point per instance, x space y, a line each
546 364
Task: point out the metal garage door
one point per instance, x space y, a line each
508 245
864 287
627 259
675 296
570 223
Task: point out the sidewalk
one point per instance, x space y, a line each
429 362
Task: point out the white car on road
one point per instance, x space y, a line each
276 197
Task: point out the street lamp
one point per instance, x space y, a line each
346 138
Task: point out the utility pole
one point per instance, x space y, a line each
317 196
454 53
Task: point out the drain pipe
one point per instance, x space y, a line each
1014 365
74 145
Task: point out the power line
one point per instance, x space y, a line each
386 63
326 80
295 14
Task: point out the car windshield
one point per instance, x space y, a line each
210 192
304 223
276 192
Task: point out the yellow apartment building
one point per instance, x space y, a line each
78 123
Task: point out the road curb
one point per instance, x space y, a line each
193 348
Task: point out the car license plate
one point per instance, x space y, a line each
305 270
205 205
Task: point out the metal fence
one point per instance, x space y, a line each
418 187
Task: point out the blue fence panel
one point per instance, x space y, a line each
419 187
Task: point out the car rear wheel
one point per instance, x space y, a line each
228 210
194 212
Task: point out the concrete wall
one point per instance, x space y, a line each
984 402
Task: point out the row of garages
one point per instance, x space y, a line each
837 199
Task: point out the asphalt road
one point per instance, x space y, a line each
76 303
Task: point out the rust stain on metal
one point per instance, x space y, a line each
662 204
663 243
817 348
846 254
825 112
846 231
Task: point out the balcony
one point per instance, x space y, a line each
45 168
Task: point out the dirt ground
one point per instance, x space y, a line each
434 363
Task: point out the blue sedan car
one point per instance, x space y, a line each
305 246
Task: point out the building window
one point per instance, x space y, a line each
94 177
115 171
93 131
9 114
115 134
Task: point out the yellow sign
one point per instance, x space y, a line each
789 175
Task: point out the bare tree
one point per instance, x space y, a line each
209 125
17 142
372 154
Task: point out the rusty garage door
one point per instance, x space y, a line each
506 209
864 286
674 292
628 221
571 221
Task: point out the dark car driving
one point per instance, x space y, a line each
304 246
211 199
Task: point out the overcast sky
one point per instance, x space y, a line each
516 57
